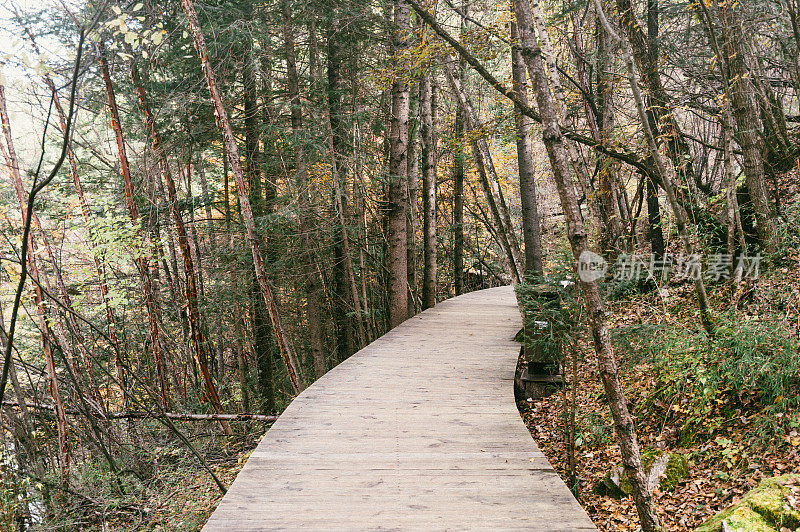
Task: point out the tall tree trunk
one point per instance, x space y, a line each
261 204
660 168
84 381
531 229
655 229
611 218
195 326
347 300
241 364
458 180
413 197
397 194
458 205
662 105
85 214
241 187
153 316
551 70
557 152
310 266
428 134
747 117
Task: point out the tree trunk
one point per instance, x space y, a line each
747 117
412 217
85 214
660 168
344 280
612 231
458 204
397 196
661 106
310 267
241 187
557 152
427 109
531 229
38 297
151 305
489 179
551 70
261 204
655 232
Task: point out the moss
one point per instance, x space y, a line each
649 457
737 518
677 470
767 500
762 509
615 483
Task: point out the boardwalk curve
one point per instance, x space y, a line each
417 431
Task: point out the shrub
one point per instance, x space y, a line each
745 360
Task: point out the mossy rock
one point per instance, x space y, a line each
662 470
762 509
677 469
742 518
614 484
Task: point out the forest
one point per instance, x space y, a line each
209 204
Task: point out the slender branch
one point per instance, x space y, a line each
624 156
35 189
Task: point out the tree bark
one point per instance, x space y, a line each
85 214
397 194
660 105
745 111
611 218
428 134
489 180
310 266
241 187
557 152
195 326
38 298
531 228
261 204
458 204
345 285
412 216
582 174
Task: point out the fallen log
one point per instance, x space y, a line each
139 414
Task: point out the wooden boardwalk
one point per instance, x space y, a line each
417 431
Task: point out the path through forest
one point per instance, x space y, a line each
419 430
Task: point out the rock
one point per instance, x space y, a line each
613 484
767 508
662 470
676 469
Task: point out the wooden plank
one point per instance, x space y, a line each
417 431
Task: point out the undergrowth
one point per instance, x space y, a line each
747 365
